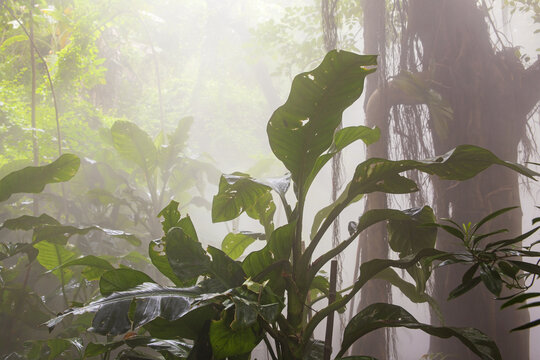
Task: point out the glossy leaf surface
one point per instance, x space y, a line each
32 179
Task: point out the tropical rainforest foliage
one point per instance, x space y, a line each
101 237
221 307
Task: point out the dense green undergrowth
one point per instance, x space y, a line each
212 303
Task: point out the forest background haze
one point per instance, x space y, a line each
159 98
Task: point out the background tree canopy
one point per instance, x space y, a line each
115 111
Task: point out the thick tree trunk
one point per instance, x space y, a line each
373 242
490 94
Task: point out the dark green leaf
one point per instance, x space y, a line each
268 262
492 216
528 267
112 311
303 128
461 163
170 215
227 342
378 316
27 222
464 287
520 298
237 193
121 280
32 179
491 279
527 325
158 256
228 271
186 256
409 236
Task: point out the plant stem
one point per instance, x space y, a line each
269 347
330 319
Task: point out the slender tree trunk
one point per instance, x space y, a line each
373 242
35 148
490 94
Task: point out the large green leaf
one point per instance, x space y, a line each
158 256
32 179
186 256
121 280
165 347
461 163
227 342
408 289
303 128
112 311
135 145
235 244
171 216
409 237
380 315
52 256
269 262
55 349
60 234
27 222
94 266
238 193
225 269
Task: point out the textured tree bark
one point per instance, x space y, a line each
490 94
372 242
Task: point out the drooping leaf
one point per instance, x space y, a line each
135 145
461 163
59 234
121 280
112 311
408 289
303 128
32 179
380 315
94 266
27 222
520 298
491 279
464 287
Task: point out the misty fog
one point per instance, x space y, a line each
159 98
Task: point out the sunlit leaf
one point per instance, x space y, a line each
32 179
235 244
135 145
